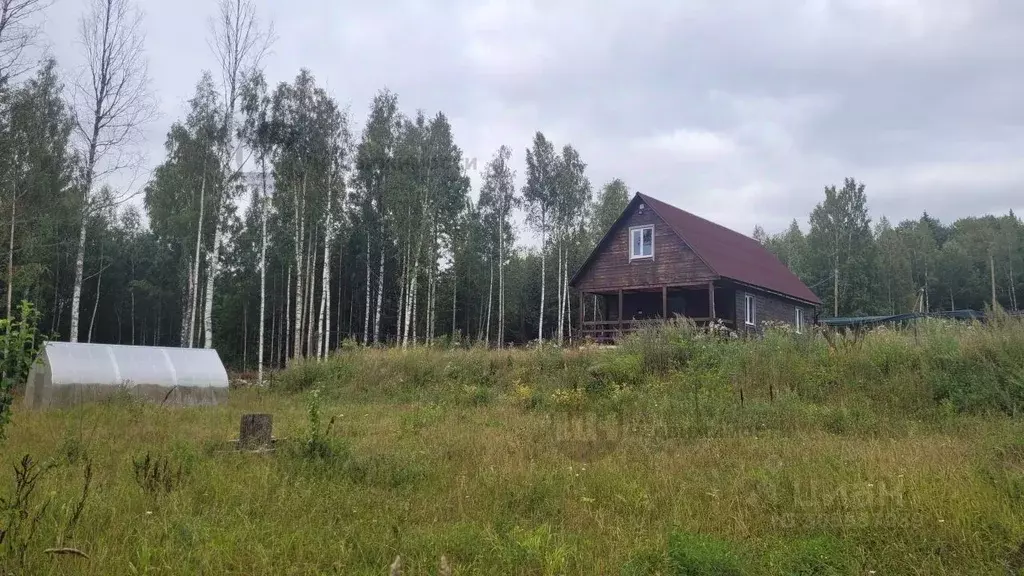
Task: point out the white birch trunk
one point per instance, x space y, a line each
380 292
263 273
490 300
287 313
501 278
366 315
211 274
561 291
543 245
95 303
325 326
310 292
558 279
414 287
186 313
432 292
325 283
428 330
402 329
76 293
193 298
299 235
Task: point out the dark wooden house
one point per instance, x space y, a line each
658 261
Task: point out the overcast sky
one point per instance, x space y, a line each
740 111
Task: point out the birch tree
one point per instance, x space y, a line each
571 203
610 203
239 43
842 248
19 29
112 102
334 145
180 195
497 199
258 135
375 174
539 195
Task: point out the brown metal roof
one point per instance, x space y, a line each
731 254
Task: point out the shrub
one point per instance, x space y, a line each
568 399
616 370
19 348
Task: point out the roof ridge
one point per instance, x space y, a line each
698 216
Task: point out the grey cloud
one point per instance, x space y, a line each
740 111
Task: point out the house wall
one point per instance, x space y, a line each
674 263
767 307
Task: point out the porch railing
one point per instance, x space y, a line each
608 331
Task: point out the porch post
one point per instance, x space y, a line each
583 302
711 298
664 303
620 313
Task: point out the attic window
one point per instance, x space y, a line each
641 242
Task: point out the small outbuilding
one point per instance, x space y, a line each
74 373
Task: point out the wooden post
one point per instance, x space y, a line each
711 299
664 303
583 303
620 313
255 431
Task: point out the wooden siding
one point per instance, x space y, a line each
768 307
674 263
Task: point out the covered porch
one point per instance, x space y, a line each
607 316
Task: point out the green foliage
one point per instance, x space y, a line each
616 370
20 343
693 554
814 556
317 444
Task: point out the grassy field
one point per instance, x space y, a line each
677 453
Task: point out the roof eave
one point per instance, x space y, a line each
776 292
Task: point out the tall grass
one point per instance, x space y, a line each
899 452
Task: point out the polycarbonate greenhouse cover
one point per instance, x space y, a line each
76 363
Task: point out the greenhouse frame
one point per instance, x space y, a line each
68 373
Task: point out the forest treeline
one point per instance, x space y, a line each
275 228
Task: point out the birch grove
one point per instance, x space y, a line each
269 224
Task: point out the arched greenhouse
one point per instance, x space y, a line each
72 373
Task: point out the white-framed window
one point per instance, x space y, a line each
641 242
799 323
750 311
